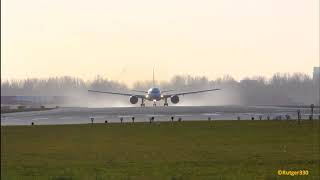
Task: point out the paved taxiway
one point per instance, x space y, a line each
100 115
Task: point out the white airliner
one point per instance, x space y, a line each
154 94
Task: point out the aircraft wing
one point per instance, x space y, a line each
165 91
141 91
191 92
118 93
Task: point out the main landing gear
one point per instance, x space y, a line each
165 102
142 103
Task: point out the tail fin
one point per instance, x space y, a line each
153 78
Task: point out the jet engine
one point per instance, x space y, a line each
133 99
175 99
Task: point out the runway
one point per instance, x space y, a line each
76 115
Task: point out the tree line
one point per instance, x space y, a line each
280 89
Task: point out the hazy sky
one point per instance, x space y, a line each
124 39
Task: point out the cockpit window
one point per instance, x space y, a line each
155 90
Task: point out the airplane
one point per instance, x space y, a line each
154 94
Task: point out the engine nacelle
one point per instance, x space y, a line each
175 99
134 99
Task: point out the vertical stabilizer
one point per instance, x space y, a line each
153 78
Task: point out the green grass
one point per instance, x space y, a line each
186 150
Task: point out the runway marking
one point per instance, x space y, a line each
249 114
210 114
11 119
97 116
154 115
124 116
258 114
183 115
66 117
293 110
283 113
39 118
141 114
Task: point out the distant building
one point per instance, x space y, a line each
316 85
316 73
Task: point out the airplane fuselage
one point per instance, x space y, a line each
153 94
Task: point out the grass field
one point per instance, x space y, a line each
185 150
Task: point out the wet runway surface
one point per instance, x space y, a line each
114 114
